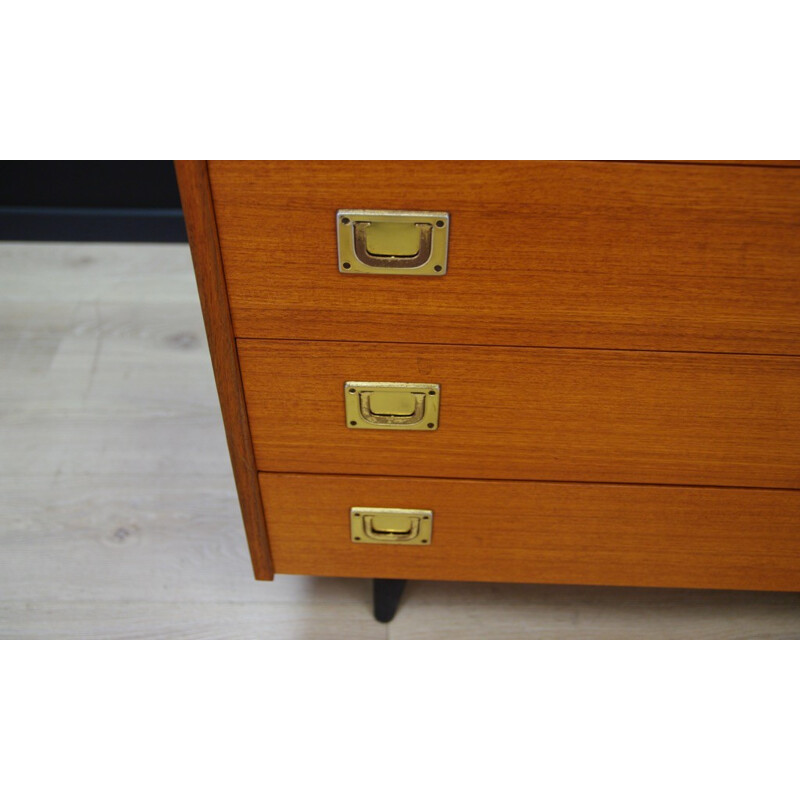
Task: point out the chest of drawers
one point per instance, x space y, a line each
612 353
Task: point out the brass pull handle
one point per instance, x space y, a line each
392 242
391 528
392 406
413 418
417 259
391 525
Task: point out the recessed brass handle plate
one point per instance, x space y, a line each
391 525
392 406
392 242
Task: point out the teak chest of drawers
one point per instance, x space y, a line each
598 384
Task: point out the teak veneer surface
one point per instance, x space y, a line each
543 532
530 413
202 232
559 254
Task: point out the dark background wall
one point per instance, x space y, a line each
90 201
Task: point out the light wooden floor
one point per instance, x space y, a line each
118 515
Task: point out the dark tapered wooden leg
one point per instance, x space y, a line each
386 593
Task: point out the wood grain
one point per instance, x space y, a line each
543 532
557 254
202 230
731 163
454 610
233 620
529 413
109 529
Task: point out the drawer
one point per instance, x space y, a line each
532 413
560 254
542 532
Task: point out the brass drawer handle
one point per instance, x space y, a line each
391 525
360 230
413 418
388 527
392 242
398 406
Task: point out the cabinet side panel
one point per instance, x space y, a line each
201 227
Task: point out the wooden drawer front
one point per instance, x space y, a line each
568 254
528 413
543 532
